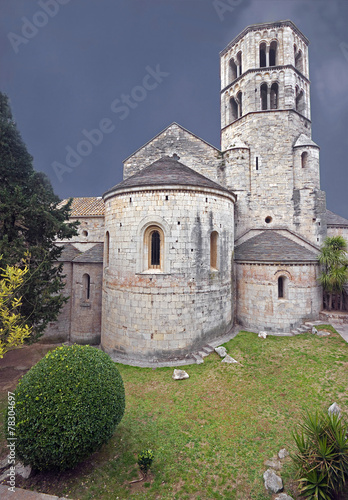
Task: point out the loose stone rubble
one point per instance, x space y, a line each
273 483
229 359
180 375
334 409
221 351
262 335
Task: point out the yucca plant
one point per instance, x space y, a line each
322 455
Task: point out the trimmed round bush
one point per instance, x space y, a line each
67 406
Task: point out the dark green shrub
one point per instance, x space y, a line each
322 456
66 407
145 459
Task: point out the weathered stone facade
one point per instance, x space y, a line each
196 239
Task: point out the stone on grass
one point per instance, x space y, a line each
283 496
314 330
283 453
274 464
334 409
180 375
221 351
262 335
23 471
228 359
273 483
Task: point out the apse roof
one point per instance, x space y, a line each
164 172
333 219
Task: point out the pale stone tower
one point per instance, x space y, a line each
271 163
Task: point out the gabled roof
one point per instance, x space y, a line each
93 255
69 253
303 140
92 206
333 219
174 124
269 246
164 172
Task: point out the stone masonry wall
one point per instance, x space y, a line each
86 313
150 315
94 226
193 152
259 307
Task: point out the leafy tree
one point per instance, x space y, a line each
13 330
30 221
333 258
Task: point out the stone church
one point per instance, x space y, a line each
197 239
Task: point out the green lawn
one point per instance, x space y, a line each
212 432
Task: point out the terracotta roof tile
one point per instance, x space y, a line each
84 207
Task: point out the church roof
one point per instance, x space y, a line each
164 172
270 246
333 219
93 255
85 207
69 253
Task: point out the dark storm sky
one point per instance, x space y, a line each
65 75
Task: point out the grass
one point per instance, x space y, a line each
212 432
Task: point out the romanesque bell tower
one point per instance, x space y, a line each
270 160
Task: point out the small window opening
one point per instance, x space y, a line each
257 163
263 94
155 248
233 70
274 96
166 197
84 233
178 223
273 54
239 64
262 55
300 104
304 159
120 224
299 61
214 237
240 105
206 200
107 247
268 219
234 109
86 282
281 287
130 200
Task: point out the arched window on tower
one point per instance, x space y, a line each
86 286
274 96
281 287
233 70
214 239
273 54
240 104
304 159
107 247
239 64
234 109
300 102
153 248
263 96
262 55
299 61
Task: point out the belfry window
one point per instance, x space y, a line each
299 61
263 55
300 103
274 96
263 96
234 109
273 54
233 70
239 64
239 103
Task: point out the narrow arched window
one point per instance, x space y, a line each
233 70
240 104
273 54
86 285
281 280
155 249
214 238
262 55
304 158
239 64
107 247
274 96
300 103
299 61
263 96
233 109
